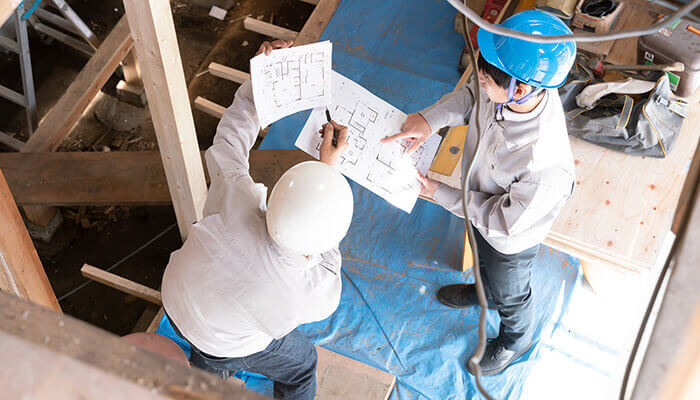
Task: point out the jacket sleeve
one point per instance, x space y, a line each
235 135
450 199
530 201
453 109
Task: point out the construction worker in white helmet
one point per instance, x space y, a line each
251 271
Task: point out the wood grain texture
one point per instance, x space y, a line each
50 355
268 29
158 55
624 51
110 178
209 107
121 284
317 22
21 272
342 378
63 116
231 74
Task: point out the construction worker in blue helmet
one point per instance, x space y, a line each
523 172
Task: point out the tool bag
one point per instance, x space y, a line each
646 127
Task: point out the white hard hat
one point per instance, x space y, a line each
310 208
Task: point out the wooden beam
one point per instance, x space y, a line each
47 355
111 178
21 272
229 73
209 107
11 142
317 22
267 29
155 45
59 122
121 284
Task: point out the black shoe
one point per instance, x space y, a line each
461 295
497 358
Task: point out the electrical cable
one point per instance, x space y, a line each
120 261
478 354
577 37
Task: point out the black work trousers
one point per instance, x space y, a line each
506 280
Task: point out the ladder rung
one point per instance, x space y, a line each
13 96
9 44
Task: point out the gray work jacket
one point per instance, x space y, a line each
523 173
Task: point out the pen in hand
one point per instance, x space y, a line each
335 137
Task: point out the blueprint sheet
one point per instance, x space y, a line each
290 80
380 167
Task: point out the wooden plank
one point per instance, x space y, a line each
110 178
229 73
155 45
671 362
21 272
121 284
63 116
209 107
268 29
317 22
47 355
340 377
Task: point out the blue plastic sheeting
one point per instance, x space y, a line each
406 53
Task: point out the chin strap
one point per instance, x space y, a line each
511 94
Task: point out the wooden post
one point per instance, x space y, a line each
21 272
155 44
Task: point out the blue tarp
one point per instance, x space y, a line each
406 52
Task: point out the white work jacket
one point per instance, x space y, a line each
523 173
230 289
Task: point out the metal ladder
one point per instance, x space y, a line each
69 21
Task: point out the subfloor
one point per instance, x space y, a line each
102 236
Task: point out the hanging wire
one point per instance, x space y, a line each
579 36
133 253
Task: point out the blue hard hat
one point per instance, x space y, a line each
537 64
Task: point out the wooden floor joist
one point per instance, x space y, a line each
121 284
109 178
268 29
228 73
21 272
209 107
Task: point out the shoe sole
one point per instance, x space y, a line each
463 307
498 371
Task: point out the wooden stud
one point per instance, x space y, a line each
209 107
121 284
11 142
155 44
229 73
21 272
267 29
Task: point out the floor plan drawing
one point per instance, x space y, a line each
291 80
383 168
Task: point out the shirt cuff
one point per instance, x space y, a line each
447 196
435 117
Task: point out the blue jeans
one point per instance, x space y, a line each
289 361
506 280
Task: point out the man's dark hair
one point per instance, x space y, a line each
501 78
